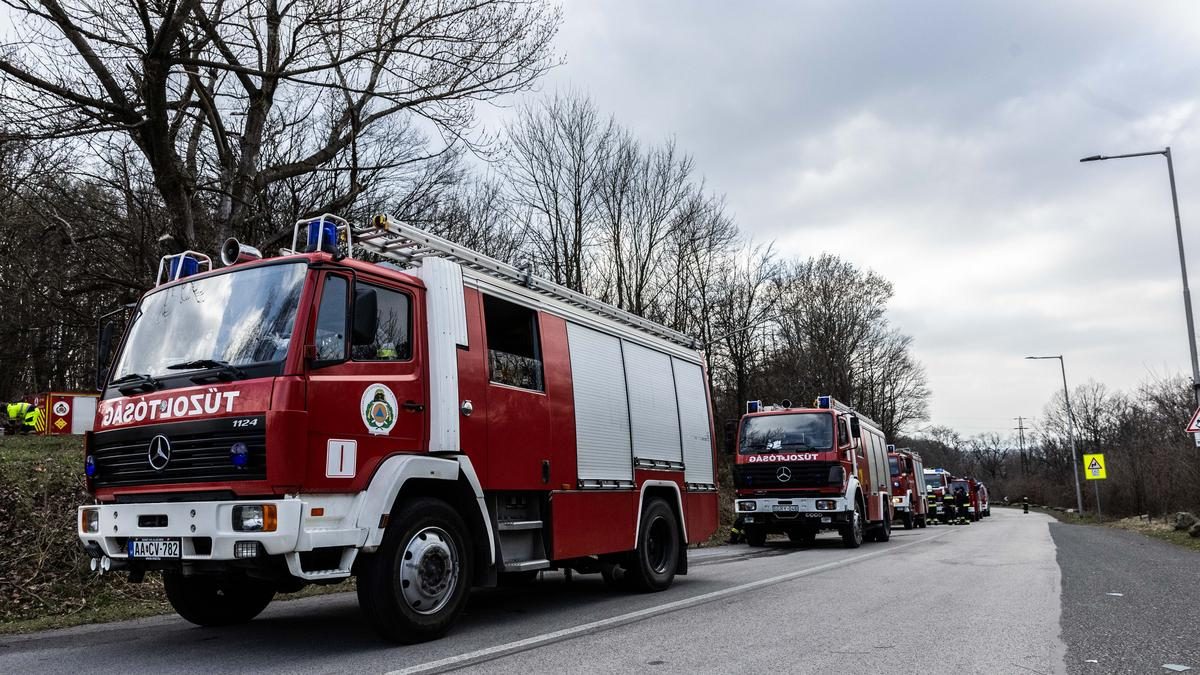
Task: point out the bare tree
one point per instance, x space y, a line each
225 101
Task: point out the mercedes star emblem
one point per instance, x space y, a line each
784 474
159 452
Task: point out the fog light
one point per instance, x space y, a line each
747 506
245 549
826 504
239 455
89 521
256 518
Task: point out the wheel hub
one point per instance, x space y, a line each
429 572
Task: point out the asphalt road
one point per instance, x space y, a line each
1130 604
984 598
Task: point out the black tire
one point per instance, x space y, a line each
756 537
803 536
909 521
883 531
653 564
217 601
922 521
853 532
420 602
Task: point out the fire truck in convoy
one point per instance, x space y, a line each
977 499
908 487
798 471
937 483
427 427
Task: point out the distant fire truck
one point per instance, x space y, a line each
445 422
908 487
977 495
937 483
798 471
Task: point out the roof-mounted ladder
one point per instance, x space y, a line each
408 245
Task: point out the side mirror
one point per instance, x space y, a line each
730 435
366 320
104 352
855 430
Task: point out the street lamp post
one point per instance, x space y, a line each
1187 294
1070 427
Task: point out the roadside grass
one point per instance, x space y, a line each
1159 528
45 580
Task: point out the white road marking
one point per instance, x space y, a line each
497 651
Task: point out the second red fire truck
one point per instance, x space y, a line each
798 471
908 487
426 427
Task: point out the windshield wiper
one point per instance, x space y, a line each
225 371
137 384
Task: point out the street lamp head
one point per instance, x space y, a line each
1034 358
1093 158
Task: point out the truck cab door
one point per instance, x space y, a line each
366 386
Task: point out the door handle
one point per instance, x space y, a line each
413 406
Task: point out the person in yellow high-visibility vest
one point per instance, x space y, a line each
23 418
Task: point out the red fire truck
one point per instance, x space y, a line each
937 482
908 487
802 470
446 422
976 496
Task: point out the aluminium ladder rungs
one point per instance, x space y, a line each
408 245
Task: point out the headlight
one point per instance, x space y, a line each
89 521
747 506
255 518
826 504
897 500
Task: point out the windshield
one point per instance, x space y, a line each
894 462
957 485
797 431
933 480
242 318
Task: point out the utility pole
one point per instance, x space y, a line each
1020 428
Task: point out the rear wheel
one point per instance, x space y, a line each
883 531
416 585
217 601
909 521
852 532
657 555
922 521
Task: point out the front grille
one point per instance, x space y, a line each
766 476
199 453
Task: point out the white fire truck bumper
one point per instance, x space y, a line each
901 502
783 506
204 530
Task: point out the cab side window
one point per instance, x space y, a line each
331 320
843 434
514 352
393 328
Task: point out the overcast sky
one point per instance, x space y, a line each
937 144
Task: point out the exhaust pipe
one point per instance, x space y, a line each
234 252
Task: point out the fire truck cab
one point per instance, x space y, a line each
937 485
908 487
798 471
434 422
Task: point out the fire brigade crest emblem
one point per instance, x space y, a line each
378 406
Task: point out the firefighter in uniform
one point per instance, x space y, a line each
962 504
737 533
1025 504
947 508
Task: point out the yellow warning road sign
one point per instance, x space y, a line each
1093 467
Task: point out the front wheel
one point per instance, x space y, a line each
414 587
756 537
656 558
852 533
217 601
909 521
883 531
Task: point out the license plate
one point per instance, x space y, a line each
154 549
786 508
